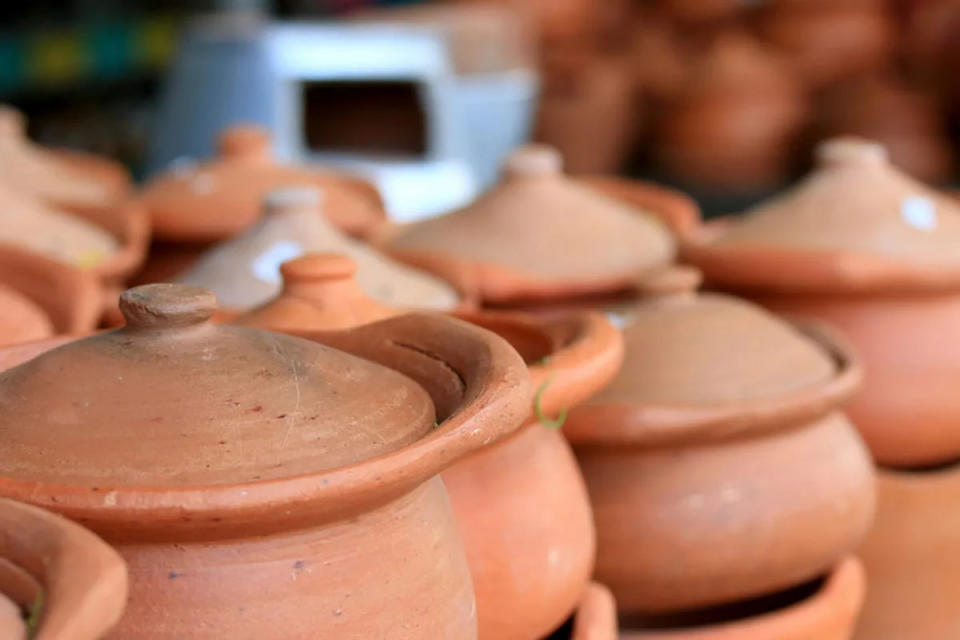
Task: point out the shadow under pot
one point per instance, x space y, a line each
310 503
520 503
57 580
719 463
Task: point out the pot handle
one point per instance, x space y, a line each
478 382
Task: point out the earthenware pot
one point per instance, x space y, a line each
587 111
536 236
78 582
220 198
245 271
594 619
863 247
719 464
310 495
60 178
21 320
825 609
736 122
529 566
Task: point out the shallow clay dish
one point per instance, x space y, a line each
719 465
538 235
310 494
222 197
78 582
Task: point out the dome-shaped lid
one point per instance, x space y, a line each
20 318
223 196
539 234
245 271
172 400
859 216
319 292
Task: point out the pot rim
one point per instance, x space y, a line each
781 269
493 399
659 425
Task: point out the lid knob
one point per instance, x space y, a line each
671 283
292 199
534 160
166 305
244 141
318 267
848 151
12 122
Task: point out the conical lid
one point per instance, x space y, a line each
172 400
221 197
20 318
540 234
706 350
245 271
855 202
320 292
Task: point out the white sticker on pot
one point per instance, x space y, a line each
919 213
266 266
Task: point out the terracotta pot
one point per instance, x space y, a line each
222 197
718 463
828 42
538 235
871 251
529 566
21 320
912 556
245 271
166 260
829 613
335 523
59 178
587 111
660 58
736 122
594 619
82 582
560 22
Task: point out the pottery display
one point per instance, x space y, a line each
77 582
587 111
538 235
529 566
60 178
211 201
736 121
823 610
245 271
718 462
872 252
334 521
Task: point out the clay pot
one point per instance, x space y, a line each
79 583
587 111
333 522
718 462
21 320
905 120
660 58
594 619
60 178
826 611
537 236
863 247
561 23
222 197
529 566
829 41
735 124
245 271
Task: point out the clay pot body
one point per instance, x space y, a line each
587 111
912 557
83 581
828 614
21 319
359 548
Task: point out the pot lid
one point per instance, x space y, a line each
539 234
320 292
21 319
703 350
219 198
245 271
854 201
30 224
173 400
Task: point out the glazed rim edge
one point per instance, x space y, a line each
809 271
494 404
661 425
